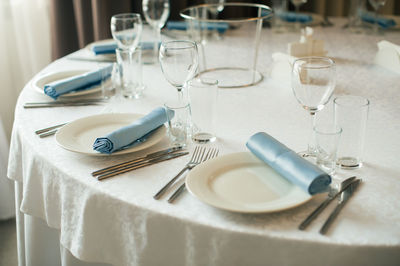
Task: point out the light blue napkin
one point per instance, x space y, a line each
221 27
289 164
76 83
383 22
295 17
109 48
126 136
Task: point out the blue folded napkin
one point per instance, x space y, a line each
221 27
295 17
109 48
76 83
385 23
289 164
126 136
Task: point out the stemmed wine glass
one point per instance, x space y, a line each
179 61
376 4
313 82
156 13
126 30
297 4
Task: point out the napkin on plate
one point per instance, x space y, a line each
126 136
289 164
80 82
221 27
109 48
383 22
295 17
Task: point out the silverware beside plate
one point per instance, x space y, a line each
84 102
48 131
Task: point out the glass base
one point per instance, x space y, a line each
348 163
202 138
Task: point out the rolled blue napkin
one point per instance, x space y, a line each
289 164
383 22
76 83
221 27
109 48
126 136
295 17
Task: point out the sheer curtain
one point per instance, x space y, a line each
24 50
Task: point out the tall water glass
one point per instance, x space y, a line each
203 101
351 114
179 61
156 13
313 82
126 30
327 140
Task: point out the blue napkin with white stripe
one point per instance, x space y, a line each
289 164
109 48
85 81
221 27
127 136
383 22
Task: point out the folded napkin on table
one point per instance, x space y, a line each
289 164
126 136
221 27
75 83
109 48
382 21
388 56
295 17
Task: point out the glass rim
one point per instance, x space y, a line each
190 44
264 7
335 130
203 82
364 101
308 59
124 16
175 105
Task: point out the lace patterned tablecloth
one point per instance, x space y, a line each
118 222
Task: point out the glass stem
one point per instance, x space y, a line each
180 93
311 141
376 24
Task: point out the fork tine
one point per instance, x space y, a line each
194 153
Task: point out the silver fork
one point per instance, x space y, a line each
212 153
197 155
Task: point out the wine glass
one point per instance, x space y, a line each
376 4
126 30
313 82
179 61
156 13
297 4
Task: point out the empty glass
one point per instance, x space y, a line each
156 13
327 140
376 4
179 61
297 4
126 30
179 121
313 82
351 114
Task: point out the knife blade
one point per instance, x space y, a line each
143 164
326 202
345 196
140 159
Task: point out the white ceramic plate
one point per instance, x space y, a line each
39 82
240 182
79 135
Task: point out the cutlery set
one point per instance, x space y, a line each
345 190
48 131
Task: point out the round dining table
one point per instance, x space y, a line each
65 216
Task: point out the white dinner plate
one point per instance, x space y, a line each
39 82
79 135
240 182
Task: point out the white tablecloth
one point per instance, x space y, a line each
118 222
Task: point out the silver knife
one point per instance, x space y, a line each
346 194
140 159
326 202
146 163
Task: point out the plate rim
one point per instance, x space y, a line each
160 133
191 175
66 95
